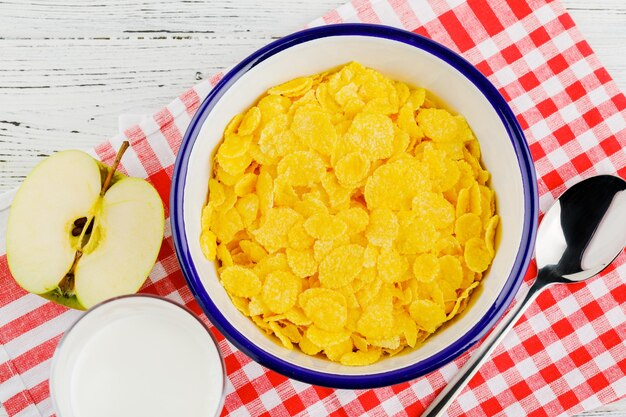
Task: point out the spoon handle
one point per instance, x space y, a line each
465 374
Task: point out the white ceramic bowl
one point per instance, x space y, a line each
399 55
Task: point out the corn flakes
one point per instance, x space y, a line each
392 266
376 322
292 88
427 314
308 347
355 218
490 232
235 146
272 106
302 263
325 226
352 168
315 129
240 281
349 215
326 308
208 244
324 338
383 227
273 232
275 139
394 184
249 122
438 124
361 358
280 291
341 266
301 168
477 256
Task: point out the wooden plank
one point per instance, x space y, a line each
153 18
94 63
603 25
69 69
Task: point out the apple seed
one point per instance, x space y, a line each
90 227
80 222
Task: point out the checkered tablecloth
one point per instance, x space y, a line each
566 355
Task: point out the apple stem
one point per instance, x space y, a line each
118 158
67 283
78 255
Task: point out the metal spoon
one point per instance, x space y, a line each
580 235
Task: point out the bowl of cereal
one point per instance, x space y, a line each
354 206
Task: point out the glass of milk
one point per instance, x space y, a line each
137 356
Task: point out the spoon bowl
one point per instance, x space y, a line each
580 235
584 230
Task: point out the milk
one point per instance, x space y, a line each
134 357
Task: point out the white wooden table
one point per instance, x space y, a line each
69 68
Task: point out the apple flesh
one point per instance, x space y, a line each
109 253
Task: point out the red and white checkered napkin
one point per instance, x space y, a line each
567 354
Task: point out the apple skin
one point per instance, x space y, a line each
71 301
81 164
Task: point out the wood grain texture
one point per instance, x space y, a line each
69 68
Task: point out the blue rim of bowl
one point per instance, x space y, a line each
460 345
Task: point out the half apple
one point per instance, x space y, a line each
79 232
